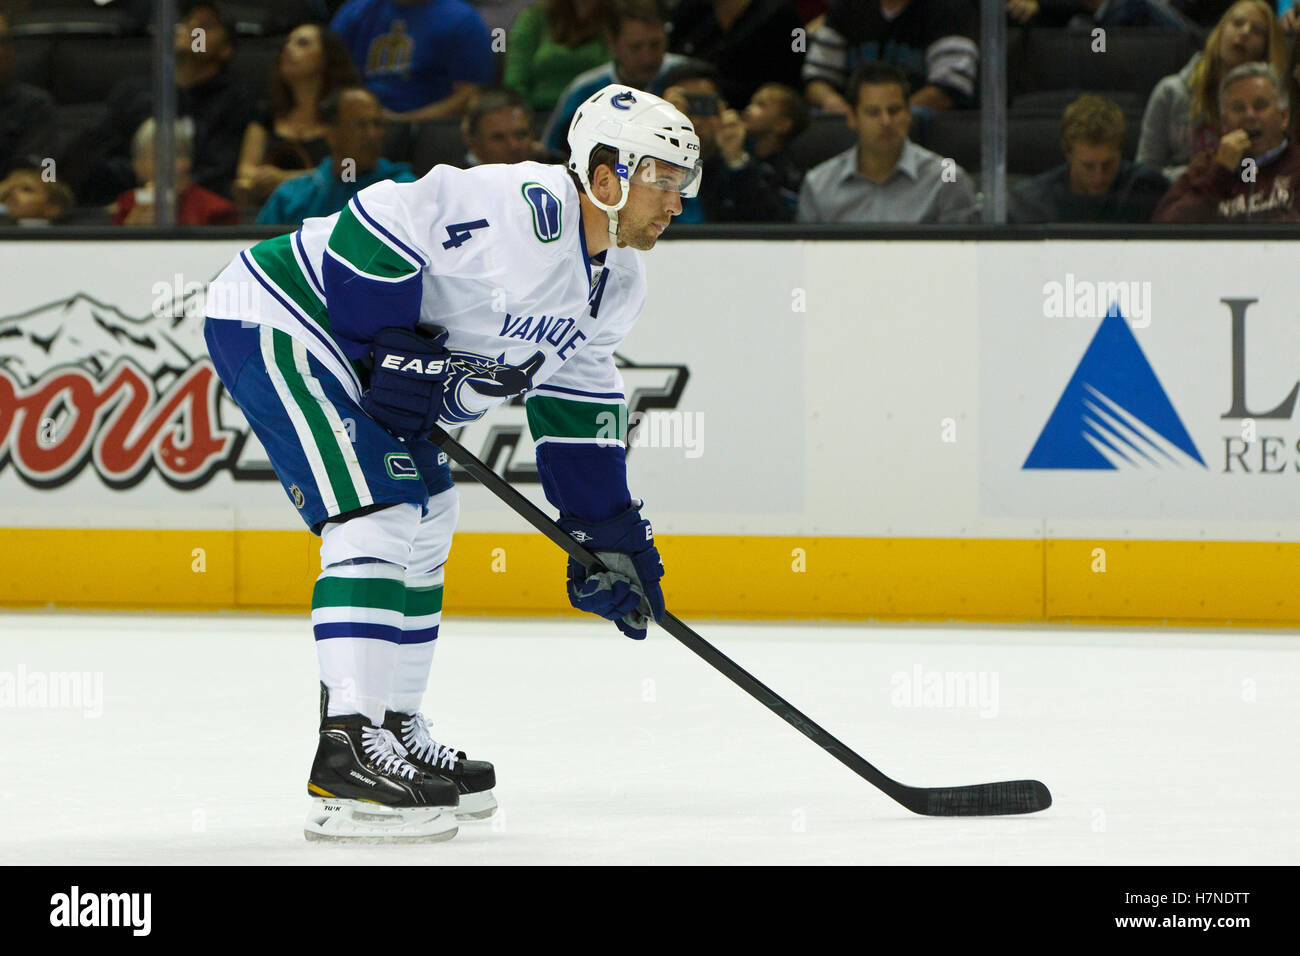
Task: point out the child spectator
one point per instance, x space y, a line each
355 127
1252 175
423 59
27 198
288 137
734 186
195 206
1095 184
552 42
885 177
931 41
773 119
637 34
751 42
1182 114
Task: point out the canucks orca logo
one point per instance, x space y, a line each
473 374
546 211
623 101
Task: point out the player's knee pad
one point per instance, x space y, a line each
433 539
385 534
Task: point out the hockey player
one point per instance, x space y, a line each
429 303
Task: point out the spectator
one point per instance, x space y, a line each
931 41
220 108
637 34
1252 175
1089 14
424 59
26 113
1096 184
496 130
751 42
288 137
1182 115
195 206
773 119
355 124
28 198
552 42
885 177
734 186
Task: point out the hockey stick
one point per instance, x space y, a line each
981 799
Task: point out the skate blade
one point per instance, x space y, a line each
359 822
476 806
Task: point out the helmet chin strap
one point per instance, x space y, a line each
611 212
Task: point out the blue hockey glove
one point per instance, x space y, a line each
406 381
628 593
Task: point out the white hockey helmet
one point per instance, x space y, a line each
638 125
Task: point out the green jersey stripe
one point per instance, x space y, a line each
566 418
276 259
387 594
327 446
366 252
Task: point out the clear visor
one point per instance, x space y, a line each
667 177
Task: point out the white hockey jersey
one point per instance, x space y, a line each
495 254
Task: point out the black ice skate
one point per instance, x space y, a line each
474 779
363 789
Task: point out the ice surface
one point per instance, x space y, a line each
1159 746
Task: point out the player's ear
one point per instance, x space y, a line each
607 189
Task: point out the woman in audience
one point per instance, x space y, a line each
1182 115
551 43
288 138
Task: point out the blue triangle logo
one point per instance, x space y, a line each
1113 413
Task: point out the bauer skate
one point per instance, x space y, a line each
474 779
363 789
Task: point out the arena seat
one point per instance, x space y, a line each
33 56
1135 59
114 59
825 136
435 142
254 59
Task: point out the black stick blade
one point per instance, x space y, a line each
979 800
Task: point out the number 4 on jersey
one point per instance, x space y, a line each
458 232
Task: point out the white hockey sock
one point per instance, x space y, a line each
419 638
357 612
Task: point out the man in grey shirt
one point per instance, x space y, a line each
886 177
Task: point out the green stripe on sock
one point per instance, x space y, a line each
364 251
565 418
387 594
421 601
326 442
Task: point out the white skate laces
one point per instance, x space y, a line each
382 747
415 732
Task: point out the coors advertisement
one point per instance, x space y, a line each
87 386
